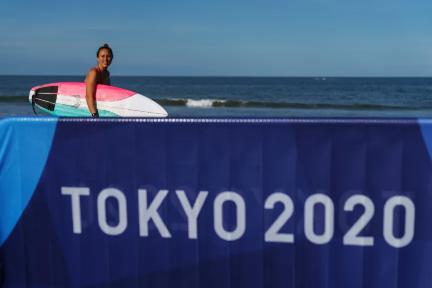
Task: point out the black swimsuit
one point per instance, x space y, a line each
100 79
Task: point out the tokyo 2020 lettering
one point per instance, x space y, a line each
148 212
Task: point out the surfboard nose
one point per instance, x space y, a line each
164 113
158 110
152 108
140 106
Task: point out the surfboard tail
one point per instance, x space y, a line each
44 97
31 94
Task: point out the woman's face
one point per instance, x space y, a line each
104 58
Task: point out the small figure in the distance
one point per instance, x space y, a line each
98 75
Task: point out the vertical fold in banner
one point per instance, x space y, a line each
426 130
25 144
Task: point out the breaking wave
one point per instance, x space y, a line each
212 103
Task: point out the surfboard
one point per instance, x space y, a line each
67 99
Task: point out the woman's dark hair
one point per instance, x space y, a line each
105 46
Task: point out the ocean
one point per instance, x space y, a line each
254 96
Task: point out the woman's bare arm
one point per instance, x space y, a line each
91 91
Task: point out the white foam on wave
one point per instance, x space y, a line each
202 103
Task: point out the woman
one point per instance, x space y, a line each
98 75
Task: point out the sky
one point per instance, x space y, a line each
218 38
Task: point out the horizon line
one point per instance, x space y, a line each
214 76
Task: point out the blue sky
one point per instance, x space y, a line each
223 38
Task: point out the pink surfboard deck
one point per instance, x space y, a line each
103 92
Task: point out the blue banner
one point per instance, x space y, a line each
215 203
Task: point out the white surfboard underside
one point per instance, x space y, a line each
136 105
